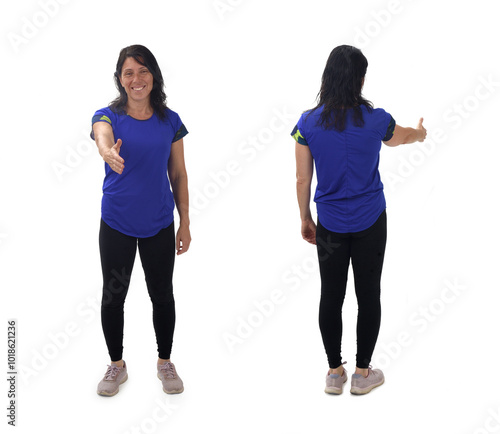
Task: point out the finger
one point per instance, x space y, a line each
309 237
118 146
420 123
312 240
117 163
116 166
178 243
182 249
116 156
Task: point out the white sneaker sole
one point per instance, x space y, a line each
363 391
336 390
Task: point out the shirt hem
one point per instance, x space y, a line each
350 231
136 235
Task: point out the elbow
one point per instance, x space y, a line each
303 181
178 178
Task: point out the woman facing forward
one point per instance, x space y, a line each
140 140
342 137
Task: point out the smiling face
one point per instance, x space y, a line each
136 80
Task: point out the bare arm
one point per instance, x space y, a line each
305 167
403 135
108 149
178 179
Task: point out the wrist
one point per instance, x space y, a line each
184 222
103 152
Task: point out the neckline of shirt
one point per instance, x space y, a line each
142 120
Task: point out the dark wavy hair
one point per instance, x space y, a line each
142 55
341 88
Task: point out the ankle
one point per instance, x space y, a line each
339 370
362 371
118 363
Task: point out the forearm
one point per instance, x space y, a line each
181 198
304 198
104 143
412 135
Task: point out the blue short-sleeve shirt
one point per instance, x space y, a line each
349 196
139 202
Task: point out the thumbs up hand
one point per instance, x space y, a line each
421 128
112 157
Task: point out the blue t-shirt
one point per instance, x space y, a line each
349 196
139 202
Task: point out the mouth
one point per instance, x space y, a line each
138 89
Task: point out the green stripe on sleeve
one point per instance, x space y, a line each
297 135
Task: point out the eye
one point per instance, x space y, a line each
144 71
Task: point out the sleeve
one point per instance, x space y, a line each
181 132
297 134
390 129
177 125
102 115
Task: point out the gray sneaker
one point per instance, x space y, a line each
113 377
361 385
172 383
335 383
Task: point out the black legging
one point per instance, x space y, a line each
117 260
335 250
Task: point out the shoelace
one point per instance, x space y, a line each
168 370
112 372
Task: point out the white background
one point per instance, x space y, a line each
227 72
